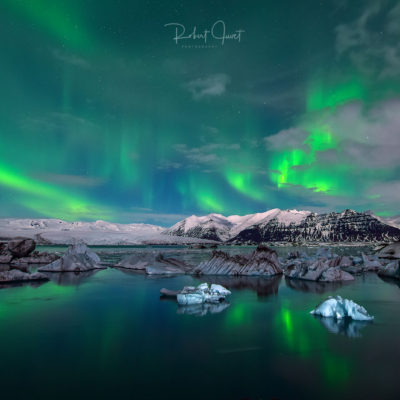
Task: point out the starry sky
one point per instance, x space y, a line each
108 110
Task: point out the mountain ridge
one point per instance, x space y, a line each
273 225
289 225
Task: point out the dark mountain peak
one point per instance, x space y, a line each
290 226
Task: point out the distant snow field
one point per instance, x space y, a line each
56 231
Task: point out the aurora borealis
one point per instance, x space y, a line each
104 116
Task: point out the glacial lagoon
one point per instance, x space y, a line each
108 334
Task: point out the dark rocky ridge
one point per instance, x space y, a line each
261 262
20 251
347 226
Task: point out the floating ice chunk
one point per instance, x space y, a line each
203 287
220 290
336 307
190 298
202 294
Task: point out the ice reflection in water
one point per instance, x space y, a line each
314 287
200 310
344 326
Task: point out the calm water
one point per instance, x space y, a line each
108 335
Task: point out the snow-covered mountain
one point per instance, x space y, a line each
56 231
394 221
271 226
212 226
288 225
221 228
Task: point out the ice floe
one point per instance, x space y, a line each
336 307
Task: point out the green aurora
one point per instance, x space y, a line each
104 116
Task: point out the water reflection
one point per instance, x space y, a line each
132 272
200 310
33 284
301 337
313 287
295 335
70 278
345 326
263 286
391 281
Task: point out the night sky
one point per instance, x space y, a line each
103 115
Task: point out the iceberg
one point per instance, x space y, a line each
185 299
336 307
202 294
219 289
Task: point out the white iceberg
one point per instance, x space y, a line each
185 299
202 294
219 289
336 307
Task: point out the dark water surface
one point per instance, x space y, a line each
108 335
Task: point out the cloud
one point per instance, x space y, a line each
322 202
355 33
148 217
386 196
53 121
373 51
387 191
169 165
71 59
210 129
368 138
393 25
209 154
198 155
286 139
210 86
72 180
360 168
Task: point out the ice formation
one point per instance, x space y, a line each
336 307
